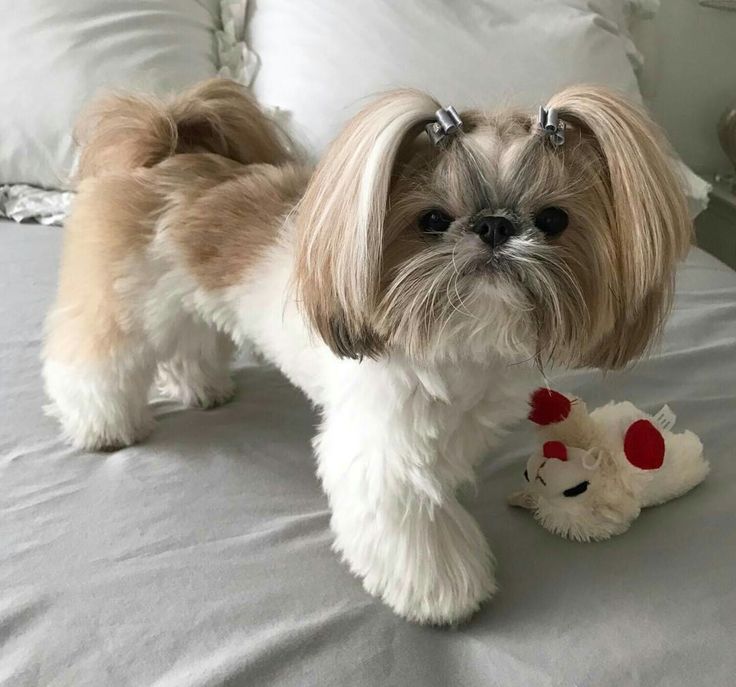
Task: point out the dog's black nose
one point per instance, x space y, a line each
494 230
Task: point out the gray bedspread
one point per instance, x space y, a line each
202 557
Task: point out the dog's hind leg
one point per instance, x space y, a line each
98 368
99 360
198 373
101 404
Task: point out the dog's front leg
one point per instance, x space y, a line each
395 517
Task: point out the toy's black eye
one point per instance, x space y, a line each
577 489
434 221
526 475
551 221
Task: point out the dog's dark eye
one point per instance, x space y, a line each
526 475
551 221
577 489
434 221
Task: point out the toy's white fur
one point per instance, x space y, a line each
616 490
193 228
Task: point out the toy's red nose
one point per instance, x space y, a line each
554 449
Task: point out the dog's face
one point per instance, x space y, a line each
496 242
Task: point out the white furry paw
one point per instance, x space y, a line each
93 435
444 594
194 391
436 570
96 411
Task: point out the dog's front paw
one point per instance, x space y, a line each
431 569
443 594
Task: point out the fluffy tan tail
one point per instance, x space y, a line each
122 132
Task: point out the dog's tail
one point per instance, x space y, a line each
123 132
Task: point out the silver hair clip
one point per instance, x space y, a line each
552 126
447 123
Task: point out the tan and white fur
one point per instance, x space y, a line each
406 288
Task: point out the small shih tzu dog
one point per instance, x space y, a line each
412 286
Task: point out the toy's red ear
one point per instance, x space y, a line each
554 449
644 445
548 407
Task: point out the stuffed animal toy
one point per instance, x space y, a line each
594 472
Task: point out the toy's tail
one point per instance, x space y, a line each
123 132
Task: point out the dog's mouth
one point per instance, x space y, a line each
491 264
471 256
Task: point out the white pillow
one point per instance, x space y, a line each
321 59
55 55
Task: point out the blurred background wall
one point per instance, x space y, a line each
690 76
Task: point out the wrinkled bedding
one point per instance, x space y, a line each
202 557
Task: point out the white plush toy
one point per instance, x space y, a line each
595 471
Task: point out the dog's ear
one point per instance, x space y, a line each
340 221
647 216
